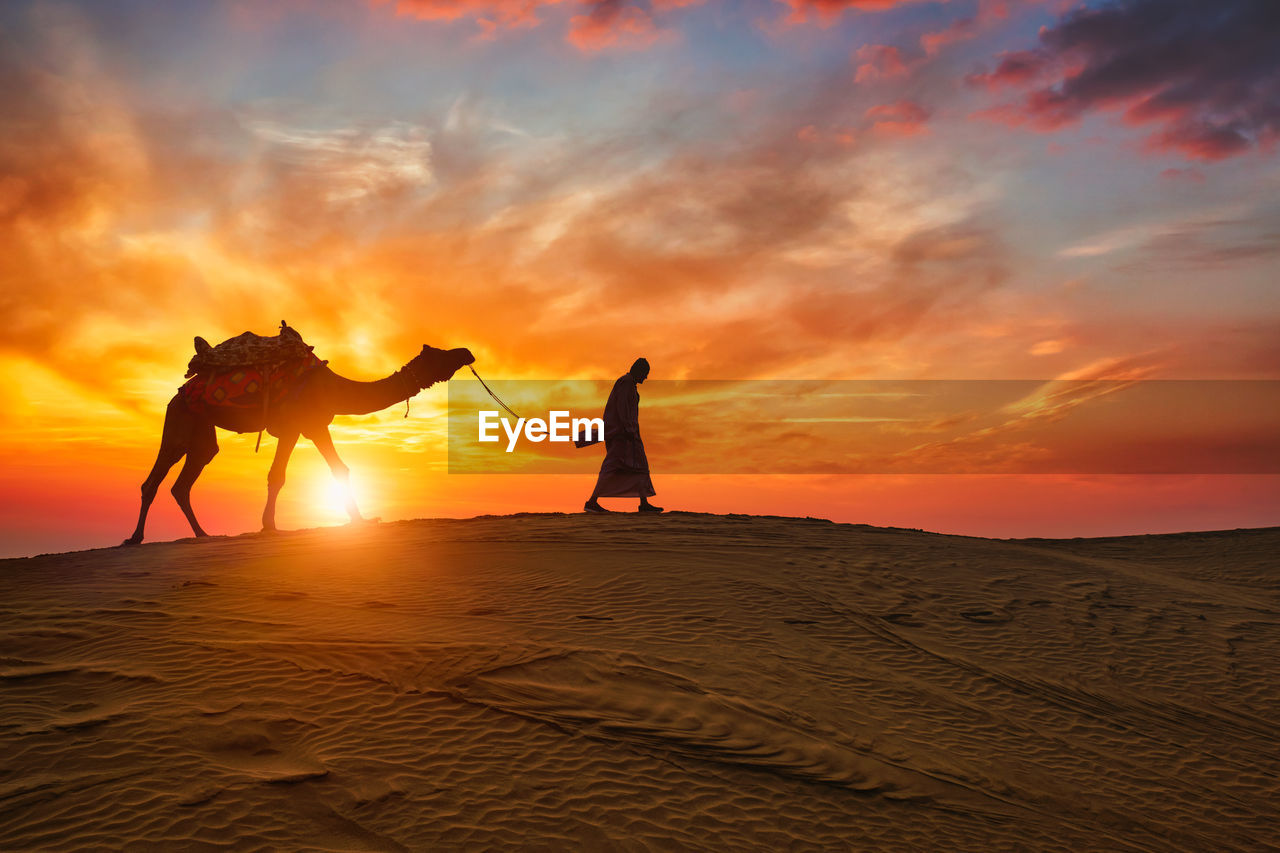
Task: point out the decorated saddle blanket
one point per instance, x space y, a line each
248 371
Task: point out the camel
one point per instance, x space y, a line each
307 414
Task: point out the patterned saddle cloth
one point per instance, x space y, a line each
248 371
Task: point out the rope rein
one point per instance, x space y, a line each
411 384
496 398
266 370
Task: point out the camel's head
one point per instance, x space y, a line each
437 365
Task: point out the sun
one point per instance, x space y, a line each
334 496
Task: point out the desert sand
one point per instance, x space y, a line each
683 682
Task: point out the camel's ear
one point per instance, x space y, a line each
202 346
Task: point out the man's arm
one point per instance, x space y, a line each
631 412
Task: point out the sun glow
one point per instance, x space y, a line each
333 499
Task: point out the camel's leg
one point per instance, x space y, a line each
204 446
175 440
340 471
275 477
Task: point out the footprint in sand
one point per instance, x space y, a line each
252 752
78 716
987 617
198 795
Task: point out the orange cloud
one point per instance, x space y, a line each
603 24
612 25
507 13
376 238
963 29
827 12
901 118
877 61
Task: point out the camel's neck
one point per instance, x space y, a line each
349 397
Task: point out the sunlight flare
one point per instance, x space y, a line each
334 496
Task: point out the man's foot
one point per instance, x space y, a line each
648 507
594 506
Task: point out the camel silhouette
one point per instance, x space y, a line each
308 413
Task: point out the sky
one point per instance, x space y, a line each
758 190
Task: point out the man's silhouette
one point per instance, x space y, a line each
625 470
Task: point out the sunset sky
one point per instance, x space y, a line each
767 189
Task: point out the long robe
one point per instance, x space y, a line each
625 470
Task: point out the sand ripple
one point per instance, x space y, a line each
682 683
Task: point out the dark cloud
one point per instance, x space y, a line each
1018 68
1202 76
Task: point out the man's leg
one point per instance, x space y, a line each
593 505
645 506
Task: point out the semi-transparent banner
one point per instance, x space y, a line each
879 426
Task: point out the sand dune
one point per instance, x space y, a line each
686 682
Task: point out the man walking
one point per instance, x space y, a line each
625 470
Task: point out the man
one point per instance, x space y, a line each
625 470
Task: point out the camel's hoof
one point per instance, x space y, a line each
270 531
131 541
356 522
